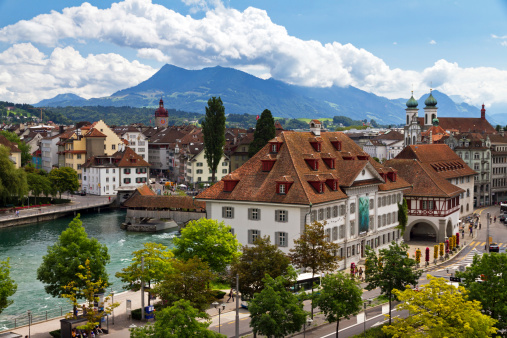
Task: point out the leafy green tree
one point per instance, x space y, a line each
187 280
179 320
264 131
157 262
390 269
7 285
213 130
438 309
72 249
498 127
209 240
402 216
491 291
275 311
88 290
26 156
255 262
64 180
38 184
313 251
340 297
12 181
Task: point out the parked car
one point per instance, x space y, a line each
493 247
163 180
83 193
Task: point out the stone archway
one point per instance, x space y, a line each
421 230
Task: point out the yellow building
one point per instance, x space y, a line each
112 142
15 153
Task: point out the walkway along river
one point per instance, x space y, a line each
26 244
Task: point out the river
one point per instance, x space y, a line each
25 245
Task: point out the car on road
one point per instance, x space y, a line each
83 193
493 247
502 218
163 180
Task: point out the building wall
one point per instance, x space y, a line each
112 141
49 153
138 143
101 181
73 160
136 177
159 156
197 169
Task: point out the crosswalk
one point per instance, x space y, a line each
465 261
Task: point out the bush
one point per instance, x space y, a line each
218 294
55 334
136 314
374 332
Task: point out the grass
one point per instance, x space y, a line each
219 285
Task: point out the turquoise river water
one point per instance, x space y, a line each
25 245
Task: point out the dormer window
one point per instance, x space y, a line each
316 145
274 148
313 163
332 184
283 186
281 189
337 145
330 162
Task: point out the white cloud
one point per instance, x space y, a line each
27 75
433 42
395 43
246 40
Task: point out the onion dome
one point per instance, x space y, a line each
412 103
161 111
430 101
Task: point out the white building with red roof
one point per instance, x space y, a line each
301 177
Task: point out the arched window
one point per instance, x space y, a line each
468 193
414 140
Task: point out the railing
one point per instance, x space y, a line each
13 322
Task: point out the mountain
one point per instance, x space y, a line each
242 93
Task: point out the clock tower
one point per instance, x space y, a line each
161 116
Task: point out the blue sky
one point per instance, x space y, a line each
384 47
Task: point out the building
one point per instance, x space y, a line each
137 141
498 167
385 146
441 190
197 169
14 152
161 116
301 177
49 152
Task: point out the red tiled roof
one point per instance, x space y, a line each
129 158
13 148
144 190
258 186
95 133
463 124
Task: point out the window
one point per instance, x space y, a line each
352 228
78 176
379 203
281 189
353 250
352 208
227 212
388 218
372 219
335 211
126 171
281 238
224 171
342 209
342 231
476 156
199 171
224 164
427 205
372 204
199 164
328 212
254 214
321 214
126 180
384 201
107 179
389 200
328 235
78 156
281 216
384 219
78 166
335 233
476 166
253 235
379 222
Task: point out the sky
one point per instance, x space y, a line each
389 48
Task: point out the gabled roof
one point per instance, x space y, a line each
166 136
129 158
94 133
256 185
392 135
13 147
144 190
464 124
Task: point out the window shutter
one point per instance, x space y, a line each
277 238
250 213
223 212
250 237
232 212
259 214
277 215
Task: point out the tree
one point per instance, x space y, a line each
275 311
209 240
213 130
157 262
7 285
187 280
26 156
491 291
88 289
264 131
402 216
498 127
179 320
439 309
64 179
391 269
256 261
12 181
38 184
340 297
313 251
71 250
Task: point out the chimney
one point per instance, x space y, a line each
431 138
61 129
315 126
483 112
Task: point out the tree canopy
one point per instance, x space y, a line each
157 263
187 280
390 269
26 156
275 311
492 290
64 180
439 309
7 285
39 184
255 262
402 216
264 131
61 263
213 130
209 240
178 320
12 181
340 297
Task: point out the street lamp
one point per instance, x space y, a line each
29 321
368 302
309 322
220 308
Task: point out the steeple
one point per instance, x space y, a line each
430 111
161 115
483 112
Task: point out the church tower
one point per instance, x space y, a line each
161 116
430 111
412 128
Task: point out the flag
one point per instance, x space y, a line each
257 117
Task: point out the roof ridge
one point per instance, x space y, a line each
282 134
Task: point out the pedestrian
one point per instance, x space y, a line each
480 224
231 295
361 273
84 310
471 233
495 219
